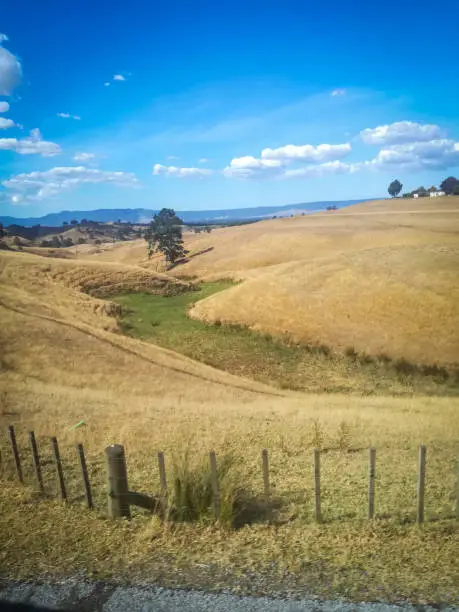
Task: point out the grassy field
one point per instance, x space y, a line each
379 277
63 359
241 351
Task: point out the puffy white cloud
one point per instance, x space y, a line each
333 167
401 132
307 153
159 169
82 157
338 92
34 186
6 123
434 155
118 77
251 167
10 69
34 144
4 107
69 116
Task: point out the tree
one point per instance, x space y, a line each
395 188
73 222
448 184
422 192
164 234
407 195
2 231
65 222
456 189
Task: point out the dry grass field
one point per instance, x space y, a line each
63 360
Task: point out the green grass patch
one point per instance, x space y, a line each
279 361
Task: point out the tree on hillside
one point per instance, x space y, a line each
449 184
65 222
73 222
2 231
395 188
421 191
164 234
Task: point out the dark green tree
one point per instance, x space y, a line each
164 234
449 184
395 188
2 231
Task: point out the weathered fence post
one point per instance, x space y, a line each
85 475
162 481
371 484
36 461
59 470
317 485
14 448
118 492
265 465
421 483
214 480
457 490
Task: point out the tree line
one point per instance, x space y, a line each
450 186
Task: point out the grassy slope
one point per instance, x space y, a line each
380 277
60 363
239 350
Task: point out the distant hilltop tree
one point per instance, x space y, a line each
395 188
450 186
164 234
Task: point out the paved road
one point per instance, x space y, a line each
80 596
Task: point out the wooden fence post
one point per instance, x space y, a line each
59 470
457 489
214 480
118 492
371 484
36 461
85 475
421 484
14 448
265 465
317 484
162 481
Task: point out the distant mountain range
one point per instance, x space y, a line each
144 215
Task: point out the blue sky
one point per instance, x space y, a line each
209 105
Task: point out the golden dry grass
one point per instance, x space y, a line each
380 277
62 363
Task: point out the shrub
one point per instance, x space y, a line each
351 352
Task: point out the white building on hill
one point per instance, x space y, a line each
436 194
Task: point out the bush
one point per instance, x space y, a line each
81 240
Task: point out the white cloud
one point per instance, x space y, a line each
203 160
338 92
434 155
7 123
10 69
251 167
69 116
400 132
159 169
118 77
172 157
82 157
107 84
34 144
4 107
274 162
34 186
333 167
307 153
